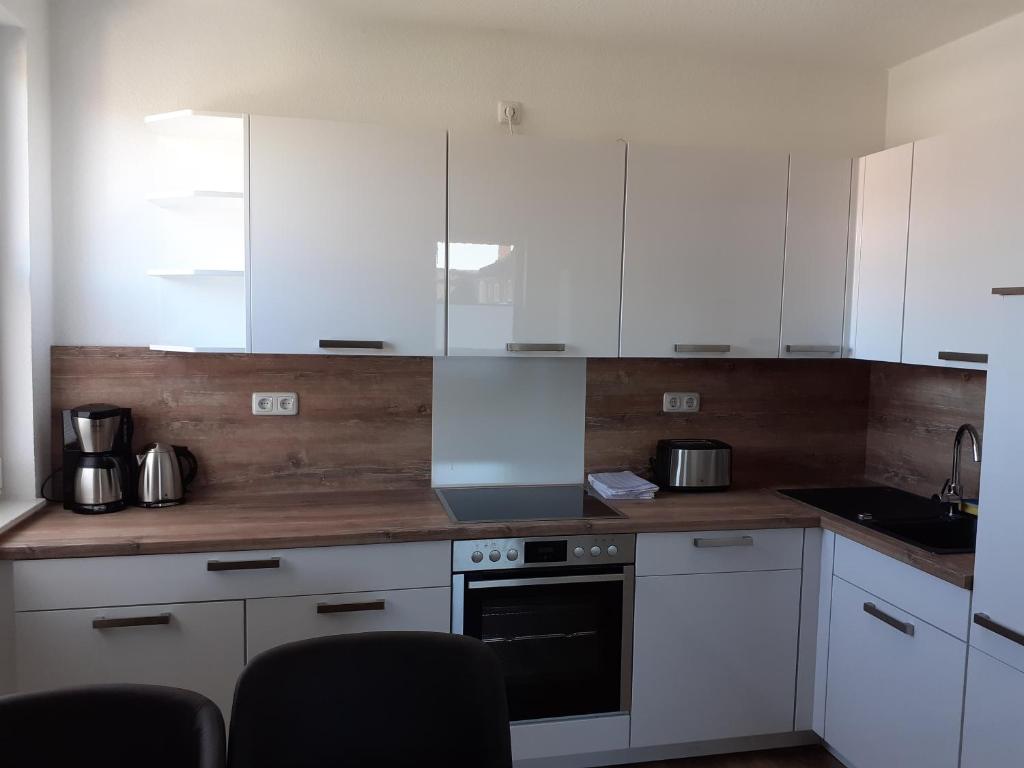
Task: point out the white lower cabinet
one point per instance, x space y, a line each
277 620
993 736
895 685
198 646
714 656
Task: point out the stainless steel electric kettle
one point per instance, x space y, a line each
161 482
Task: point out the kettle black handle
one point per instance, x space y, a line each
193 464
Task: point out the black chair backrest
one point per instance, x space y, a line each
374 700
116 726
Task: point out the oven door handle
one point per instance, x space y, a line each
541 582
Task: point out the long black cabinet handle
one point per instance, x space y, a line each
350 344
1013 290
369 605
872 610
963 357
983 620
132 621
243 565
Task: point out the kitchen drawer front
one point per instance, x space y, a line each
139 579
198 646
894 698
667 554
273 621
936 601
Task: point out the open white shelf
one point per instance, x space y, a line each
177 348
189 272
195 124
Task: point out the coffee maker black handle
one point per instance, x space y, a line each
193 464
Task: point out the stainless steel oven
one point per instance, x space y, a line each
558 612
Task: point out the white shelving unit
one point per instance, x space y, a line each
200 248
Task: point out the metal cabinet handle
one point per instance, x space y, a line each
369 605
717 348
517 347
132 621
243 565
350 344
814 349
731 541
872 610
1014 290
983 620
963 357
543 582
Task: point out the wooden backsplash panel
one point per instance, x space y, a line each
788 421
913 416
363 422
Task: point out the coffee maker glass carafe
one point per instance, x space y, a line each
97 458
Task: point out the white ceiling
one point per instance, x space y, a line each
856 33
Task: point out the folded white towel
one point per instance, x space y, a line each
621 485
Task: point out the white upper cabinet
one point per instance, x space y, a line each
535 246
817 235
703 256
347 231
966 237
880 269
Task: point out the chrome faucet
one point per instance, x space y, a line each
952 491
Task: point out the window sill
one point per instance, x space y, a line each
13 511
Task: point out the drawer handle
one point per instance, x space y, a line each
716 348
963 357
369 605
350 344
132 621
243 565
517 347
813 349
732 541
983 620
872 610
1014 290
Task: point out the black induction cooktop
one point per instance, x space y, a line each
507 503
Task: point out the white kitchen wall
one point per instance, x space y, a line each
116 61
976 79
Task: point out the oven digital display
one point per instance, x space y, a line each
545 552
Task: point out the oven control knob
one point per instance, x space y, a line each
578 551
612 550
477 556
495 555
595 551
512 554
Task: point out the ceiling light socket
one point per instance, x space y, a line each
510 112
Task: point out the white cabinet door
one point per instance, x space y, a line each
198 646
893 698
966 238
346 238
993 714
535 246
999 568
703 255
714 656
880 271
817 234
277 620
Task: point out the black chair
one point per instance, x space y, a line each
374 700
116 726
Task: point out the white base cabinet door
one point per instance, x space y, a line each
714 656
198 646
277 620
893 698
993 714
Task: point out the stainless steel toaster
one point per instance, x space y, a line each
692 465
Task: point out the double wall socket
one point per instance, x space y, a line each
275 404
680 402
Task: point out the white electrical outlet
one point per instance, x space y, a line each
510 112
275 403
680 402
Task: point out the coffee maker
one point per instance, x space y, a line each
98 460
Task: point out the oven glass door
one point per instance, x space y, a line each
558 635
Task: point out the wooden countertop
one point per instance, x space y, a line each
316 520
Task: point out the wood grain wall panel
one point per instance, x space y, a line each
790 422
913 416
363 422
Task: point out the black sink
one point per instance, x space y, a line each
925 523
